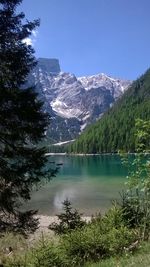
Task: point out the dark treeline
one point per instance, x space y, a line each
57 149
116 129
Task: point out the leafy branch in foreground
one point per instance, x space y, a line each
136 200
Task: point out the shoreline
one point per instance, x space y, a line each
45 220
90 154
43 231
80 154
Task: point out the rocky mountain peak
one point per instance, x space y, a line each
50 65
115 85
73 102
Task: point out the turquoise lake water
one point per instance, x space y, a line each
91 183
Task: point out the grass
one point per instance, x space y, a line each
139 259
15 241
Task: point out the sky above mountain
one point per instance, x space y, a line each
93 36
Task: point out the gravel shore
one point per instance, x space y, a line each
44 222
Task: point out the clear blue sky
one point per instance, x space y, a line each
92 36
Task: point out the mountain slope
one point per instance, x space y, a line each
115 130
73 103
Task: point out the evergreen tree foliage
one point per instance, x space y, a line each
22 122
68 220
116 129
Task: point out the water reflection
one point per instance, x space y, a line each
90 182
60 196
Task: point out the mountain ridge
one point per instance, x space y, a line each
72 102
116 129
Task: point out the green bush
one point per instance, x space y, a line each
45 254
49 255
132 213
113 218
68 220
102 238
136 199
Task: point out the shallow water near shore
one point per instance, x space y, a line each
91 183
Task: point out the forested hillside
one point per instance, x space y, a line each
115 130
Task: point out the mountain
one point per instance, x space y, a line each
116 129
72 102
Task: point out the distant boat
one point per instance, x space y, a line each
59 164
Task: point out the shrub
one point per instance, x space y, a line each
113 218
132 213
136 200
49 255
44 254
100 239
68 220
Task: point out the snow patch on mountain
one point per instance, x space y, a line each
63 110
73 102
116 86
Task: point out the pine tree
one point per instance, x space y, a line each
22 122
68 220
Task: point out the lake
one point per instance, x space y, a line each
91 183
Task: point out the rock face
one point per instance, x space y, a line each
49 65
73 102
